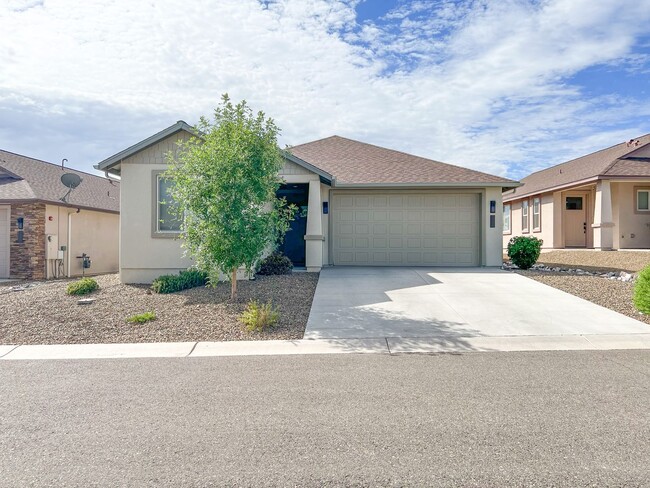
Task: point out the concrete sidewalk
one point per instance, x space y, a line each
386 345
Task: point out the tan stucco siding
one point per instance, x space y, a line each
631 229
548 228
143 256
492 236
92 232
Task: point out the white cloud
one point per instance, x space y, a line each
477 83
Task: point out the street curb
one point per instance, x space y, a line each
381 345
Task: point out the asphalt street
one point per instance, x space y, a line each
479 419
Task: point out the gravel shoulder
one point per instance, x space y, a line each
44 314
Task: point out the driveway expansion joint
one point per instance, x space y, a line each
9 351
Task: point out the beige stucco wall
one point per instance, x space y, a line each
144 257
92 232
631 229
491 248
548 224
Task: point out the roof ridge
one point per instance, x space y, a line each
318 140
595 152
55 164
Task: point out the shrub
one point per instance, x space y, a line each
141 318
524 251
189 278
642 291
275 264
259 317
82 287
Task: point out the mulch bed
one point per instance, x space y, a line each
44 314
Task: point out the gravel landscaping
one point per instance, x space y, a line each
44 314
630 261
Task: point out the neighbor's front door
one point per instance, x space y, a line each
575 221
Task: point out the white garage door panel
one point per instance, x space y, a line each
415 229
4 242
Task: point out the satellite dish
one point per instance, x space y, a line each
71 180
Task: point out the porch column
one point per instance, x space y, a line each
603 225
314 237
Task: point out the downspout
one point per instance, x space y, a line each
69 244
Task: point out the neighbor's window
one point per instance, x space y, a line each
643 200
166 221
537 214
506 218
524 216
574 203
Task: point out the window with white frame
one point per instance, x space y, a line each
506 218
166 220
643 200
524 216
537 214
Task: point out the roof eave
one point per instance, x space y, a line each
470 184
553 188
108 163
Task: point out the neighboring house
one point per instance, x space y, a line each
599 201
361 205
42 236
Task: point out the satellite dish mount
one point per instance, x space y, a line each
70 181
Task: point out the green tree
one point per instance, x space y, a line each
225 182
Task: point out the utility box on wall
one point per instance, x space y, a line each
52 249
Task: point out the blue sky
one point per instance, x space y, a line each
502 86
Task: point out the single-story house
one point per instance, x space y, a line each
599 201
362 205
43 232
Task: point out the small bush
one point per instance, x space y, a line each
141 318
642 291
259 317
275 264
190 278
524 251
82 287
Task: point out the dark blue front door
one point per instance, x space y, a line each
293 245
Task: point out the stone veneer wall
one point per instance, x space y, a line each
27 258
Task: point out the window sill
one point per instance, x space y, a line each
165 235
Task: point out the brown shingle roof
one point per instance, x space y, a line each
23 178
354 162
612 161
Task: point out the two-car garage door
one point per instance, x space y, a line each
405 229
5 213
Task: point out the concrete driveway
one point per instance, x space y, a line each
451 303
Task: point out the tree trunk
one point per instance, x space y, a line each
233 285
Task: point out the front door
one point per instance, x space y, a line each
293 245
575 221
